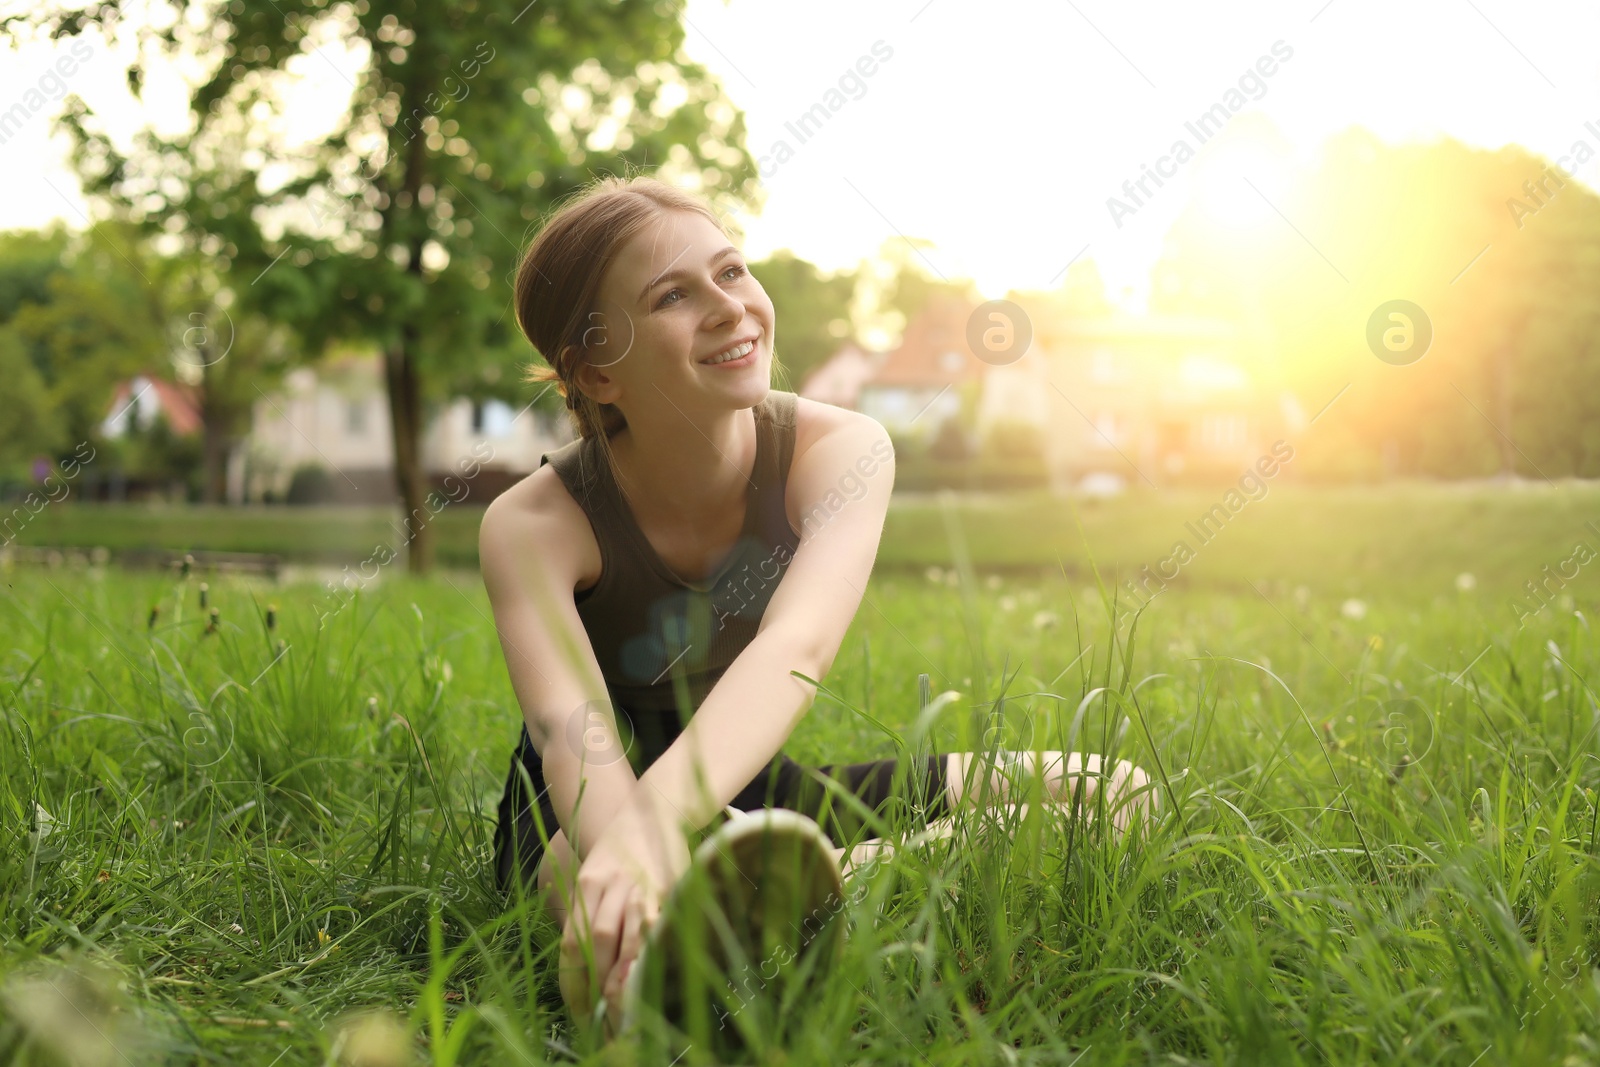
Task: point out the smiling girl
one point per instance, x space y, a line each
657 579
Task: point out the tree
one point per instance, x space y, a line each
26 427
93 324
912 282
229 350
398 225
112 307
812 309
28 423
1498 255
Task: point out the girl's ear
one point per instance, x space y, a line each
594 382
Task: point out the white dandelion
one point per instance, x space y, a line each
1466 582
1353 609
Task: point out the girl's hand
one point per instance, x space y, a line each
620 888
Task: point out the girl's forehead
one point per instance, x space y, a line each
670 240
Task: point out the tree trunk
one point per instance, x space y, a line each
405 416
217 448
218 420
400 368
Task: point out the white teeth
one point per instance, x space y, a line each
733 353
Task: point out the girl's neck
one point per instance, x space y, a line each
683 471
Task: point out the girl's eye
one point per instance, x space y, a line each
736 269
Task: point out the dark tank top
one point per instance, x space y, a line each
662 642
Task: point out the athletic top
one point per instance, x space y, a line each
656 636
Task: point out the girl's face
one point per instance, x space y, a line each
676 294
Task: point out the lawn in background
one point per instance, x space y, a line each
1415 537
1380 839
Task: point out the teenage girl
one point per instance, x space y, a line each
704 536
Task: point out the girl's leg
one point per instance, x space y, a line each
1130 792
873 783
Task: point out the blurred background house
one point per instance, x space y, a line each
918 386
329 429
839 379
1162 399
1102 400
324 437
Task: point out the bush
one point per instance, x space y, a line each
950 444
1013 439
310 484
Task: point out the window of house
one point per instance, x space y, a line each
355 417
1222 431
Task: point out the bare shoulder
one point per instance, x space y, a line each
537 518
815 420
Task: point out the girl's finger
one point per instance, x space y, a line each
632 939
575 938
607 931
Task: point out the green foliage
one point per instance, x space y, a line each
309 484
402 225
1510 382
813 312
26 426
913 284
28 260
101 325
105 308
1014 439
74 322
950 442
156 454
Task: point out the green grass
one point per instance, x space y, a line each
1379 839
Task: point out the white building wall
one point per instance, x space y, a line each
340 420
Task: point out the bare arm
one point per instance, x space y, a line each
530 569
843 483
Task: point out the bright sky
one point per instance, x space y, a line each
998 130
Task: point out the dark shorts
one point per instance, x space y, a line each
783 784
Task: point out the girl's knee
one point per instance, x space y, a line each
1129 787
1133 794
1127 777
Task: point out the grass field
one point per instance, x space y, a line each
1379 840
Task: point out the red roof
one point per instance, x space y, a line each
934 350
178 402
